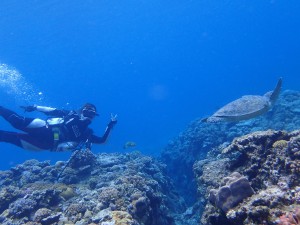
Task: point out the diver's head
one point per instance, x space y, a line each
89 110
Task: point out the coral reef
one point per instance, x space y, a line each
115 189
245 173
266 163
201 139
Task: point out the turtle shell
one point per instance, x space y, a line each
245 107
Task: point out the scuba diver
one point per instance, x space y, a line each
63 130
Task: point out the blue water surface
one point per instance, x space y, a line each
158 64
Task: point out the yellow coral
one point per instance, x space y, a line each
122 218
280 144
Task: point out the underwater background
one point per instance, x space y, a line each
157 64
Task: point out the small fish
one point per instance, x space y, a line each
129 144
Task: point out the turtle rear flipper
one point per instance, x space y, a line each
274 95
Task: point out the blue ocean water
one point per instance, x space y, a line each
157 64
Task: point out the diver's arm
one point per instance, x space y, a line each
52 111
99 140
45 109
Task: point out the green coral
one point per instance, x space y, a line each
67 193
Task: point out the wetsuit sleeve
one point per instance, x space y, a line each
99 140
52 111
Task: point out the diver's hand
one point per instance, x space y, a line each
113 120
29 108
113 117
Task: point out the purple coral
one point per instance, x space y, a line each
293 218
236 189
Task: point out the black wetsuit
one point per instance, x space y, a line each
62 133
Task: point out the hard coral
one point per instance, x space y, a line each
235 190
293 218
294 147
22 207
122 218
67 193
293 166
40 214
281 144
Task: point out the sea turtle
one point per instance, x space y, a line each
246 107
